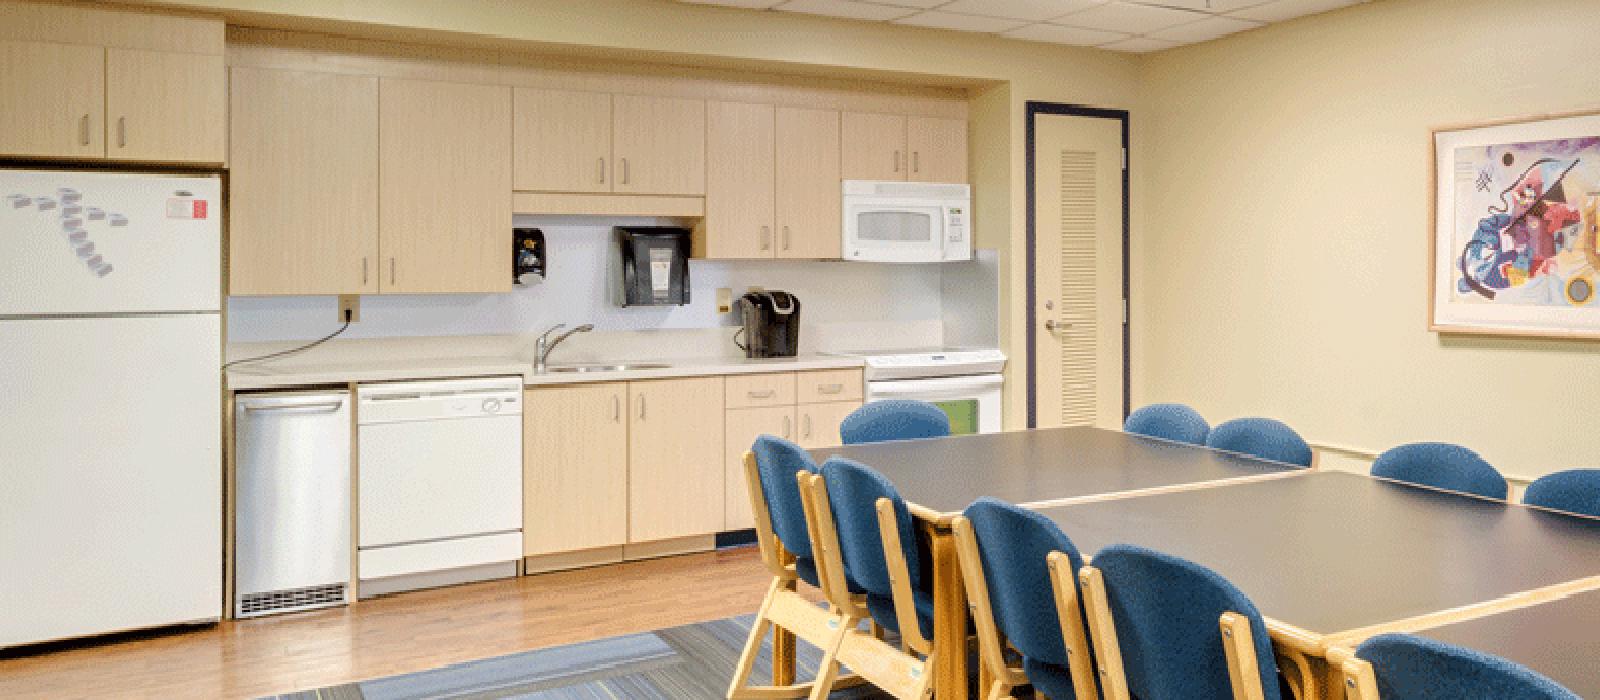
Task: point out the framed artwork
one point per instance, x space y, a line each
1516 210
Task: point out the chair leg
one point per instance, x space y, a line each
828 668
783 660
752 645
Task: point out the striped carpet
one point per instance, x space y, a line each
692 662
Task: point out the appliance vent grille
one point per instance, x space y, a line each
289 599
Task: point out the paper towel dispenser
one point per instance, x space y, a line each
655 265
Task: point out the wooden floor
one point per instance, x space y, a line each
396 634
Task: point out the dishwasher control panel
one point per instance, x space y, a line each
454 398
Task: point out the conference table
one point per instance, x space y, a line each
1555 638
938 477
1328 557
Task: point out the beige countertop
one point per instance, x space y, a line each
413 359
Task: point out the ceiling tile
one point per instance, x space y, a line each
1127 17
1214 6
753 4
967 23
1280 10
1057 34
1139 44
1032 10
846 8
919 4
1204 30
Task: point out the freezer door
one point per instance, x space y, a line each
110 455
75 242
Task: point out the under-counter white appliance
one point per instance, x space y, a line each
439 482
965 383
111 438
292 501
907 222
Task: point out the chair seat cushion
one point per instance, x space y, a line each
1050 679
882 609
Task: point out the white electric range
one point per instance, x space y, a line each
965 382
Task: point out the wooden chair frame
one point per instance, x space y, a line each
898 672
783 610
1238 644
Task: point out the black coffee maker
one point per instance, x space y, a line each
771 324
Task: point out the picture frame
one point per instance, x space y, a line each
1514 238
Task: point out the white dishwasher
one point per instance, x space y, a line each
439 482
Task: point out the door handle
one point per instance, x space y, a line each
624 171
805 429
641 407
363 270
1052 325
786 238
616 408
323 407
766 237
122 132
916 161
83 130
786 426
897 161
391 271
602 170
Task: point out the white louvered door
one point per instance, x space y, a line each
1078 271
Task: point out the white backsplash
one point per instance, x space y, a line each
844 306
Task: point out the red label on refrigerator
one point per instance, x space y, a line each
186 208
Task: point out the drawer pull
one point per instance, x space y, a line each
763 394
830 388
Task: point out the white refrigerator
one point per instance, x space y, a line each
110 402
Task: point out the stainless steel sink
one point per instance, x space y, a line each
607 368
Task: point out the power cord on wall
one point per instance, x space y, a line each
292 351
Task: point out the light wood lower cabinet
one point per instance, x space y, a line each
675 454
819 422
574 468
825 397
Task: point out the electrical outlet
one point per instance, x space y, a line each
724 300
349 303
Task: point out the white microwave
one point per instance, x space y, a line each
907 222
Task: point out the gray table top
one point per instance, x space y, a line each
1331 552
1556 639
1039 466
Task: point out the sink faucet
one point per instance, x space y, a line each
541 351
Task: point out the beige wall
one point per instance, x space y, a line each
1282 266
1001 74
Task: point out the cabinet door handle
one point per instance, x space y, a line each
805 429
641 407
392 277
766 237
897 161
363 270
916 161
786 426
122 132
767 394
786 238
616 408
83 130
624 171
830 388
602 162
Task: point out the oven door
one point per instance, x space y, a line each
972 402
876 230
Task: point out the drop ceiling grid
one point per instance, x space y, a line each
1136 26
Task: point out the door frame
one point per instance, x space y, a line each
1034 109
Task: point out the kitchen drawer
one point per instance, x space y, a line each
830 385
756 390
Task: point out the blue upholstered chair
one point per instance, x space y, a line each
1155 623
771 469
1442 466
1573 491
1021 576
1261 437
864 536
1407 667
1169 421
895 419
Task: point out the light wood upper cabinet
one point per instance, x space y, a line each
938 149
742 427
819 422
659 144
873 146
563 140
52 99
675 458
741 144
808 191
165 106
444 183
575 468
303 187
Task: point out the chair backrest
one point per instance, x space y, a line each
894 419
1165 611
854 490
1169 421
1261 437
1408 667
1442 466
777 460
1013 544
1573 491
